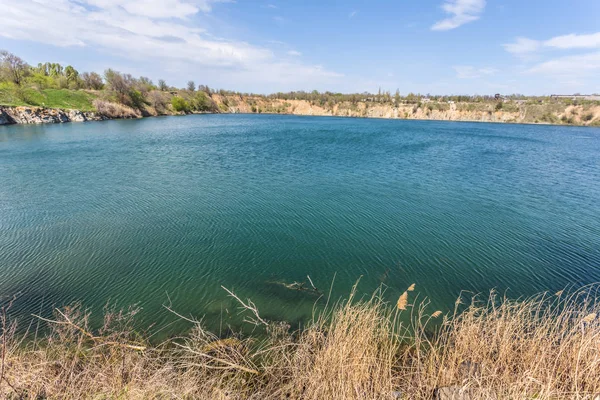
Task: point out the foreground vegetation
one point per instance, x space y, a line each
118 95
544 347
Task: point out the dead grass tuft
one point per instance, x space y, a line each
544 347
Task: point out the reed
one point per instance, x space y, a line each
491 347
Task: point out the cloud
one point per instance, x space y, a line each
155 8
461 12
522 46
352 14
565 42
574 41
159 33
574 65
294 53
564 66
470 72
273 6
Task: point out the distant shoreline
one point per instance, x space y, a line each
32 115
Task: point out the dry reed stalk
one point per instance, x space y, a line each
544 347
402 301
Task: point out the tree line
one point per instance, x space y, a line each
138 93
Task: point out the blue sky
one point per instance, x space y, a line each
425 46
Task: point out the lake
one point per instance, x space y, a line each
167 210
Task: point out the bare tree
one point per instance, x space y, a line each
162 85
13 68
92 80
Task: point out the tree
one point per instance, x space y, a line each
92 80
162 85
191 86
71 74
397 97
116 81
13 68
179 104
144 84
55 69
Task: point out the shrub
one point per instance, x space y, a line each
180 105
201 102
115 110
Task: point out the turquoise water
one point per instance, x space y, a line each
135 211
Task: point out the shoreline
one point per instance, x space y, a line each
359 348
33 115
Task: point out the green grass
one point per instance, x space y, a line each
52 98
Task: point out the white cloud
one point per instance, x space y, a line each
561 67
461 11
575 65
158 32
522 46
294 53
156 8
352 14
565 42
574 41
470 72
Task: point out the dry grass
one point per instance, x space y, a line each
545 347
115 110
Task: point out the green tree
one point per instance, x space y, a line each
72 75
191 86
55 69
179 104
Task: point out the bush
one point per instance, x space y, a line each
115 110
180 105
201 102
137 99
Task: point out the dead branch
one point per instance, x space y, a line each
250 306
100 341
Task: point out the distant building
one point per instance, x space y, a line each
592 97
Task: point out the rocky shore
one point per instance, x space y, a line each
40 115
588 115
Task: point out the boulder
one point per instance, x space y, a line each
77 116
5 119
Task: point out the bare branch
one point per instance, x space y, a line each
250 306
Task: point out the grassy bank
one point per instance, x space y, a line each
11 95
544 347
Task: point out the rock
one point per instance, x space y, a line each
77 116
452 393
462 393
469 369
5 119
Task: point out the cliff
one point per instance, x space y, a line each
544 113
511 112
41 115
